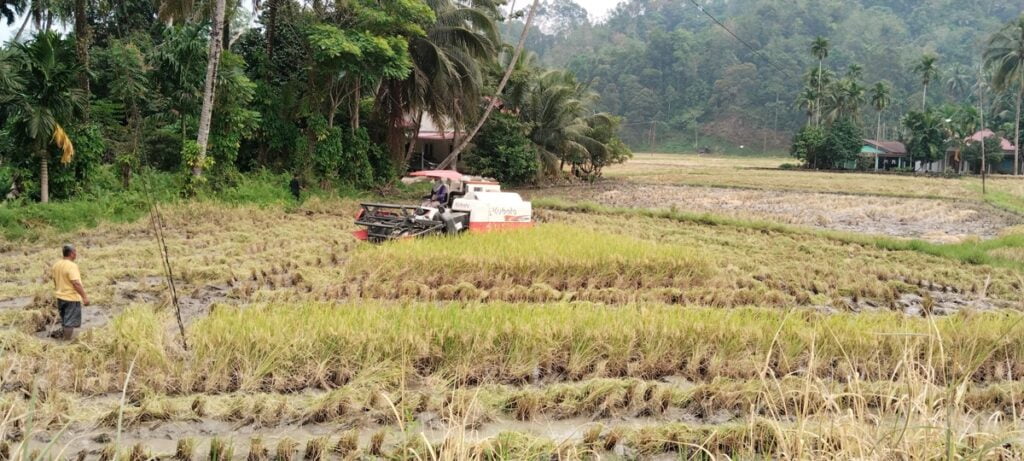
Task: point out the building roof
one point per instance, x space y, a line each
1006 145
436 135
887 147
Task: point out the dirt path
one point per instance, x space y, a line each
929 219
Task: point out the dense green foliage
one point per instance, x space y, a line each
992 149
843 143
332 92
503 151
831 147
667 66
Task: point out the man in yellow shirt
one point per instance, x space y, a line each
67 285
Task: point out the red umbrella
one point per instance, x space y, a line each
439 174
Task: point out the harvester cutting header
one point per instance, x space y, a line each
457 203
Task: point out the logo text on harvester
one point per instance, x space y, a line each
503 211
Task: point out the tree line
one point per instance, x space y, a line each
989 96
667 65
333 92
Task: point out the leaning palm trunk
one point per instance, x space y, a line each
213 62
1016 135
448 161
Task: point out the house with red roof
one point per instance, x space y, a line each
1005 166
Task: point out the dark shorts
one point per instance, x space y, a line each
70 313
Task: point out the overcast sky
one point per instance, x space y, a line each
598 10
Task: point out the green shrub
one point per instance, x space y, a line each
503 151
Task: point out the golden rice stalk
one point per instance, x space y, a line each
377 443
138 453
61 139
257 451
109 453
347 443
316 449
286 449
185 450
221 450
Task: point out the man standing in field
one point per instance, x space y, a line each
67 285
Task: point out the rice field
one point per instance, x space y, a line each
604 332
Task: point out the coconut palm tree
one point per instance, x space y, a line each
819 49
958 81
854 72
927 69
451 159
555 110
880 100
843 100
807 100
447 73
47 102
1005 56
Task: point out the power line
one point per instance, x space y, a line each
744 42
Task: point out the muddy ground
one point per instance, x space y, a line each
934 220
160 437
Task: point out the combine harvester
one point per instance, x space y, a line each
474 204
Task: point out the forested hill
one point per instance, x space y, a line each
664 61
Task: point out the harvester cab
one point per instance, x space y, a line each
473 204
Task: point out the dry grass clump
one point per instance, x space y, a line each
347 444
257 450
540 264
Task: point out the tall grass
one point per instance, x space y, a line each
292 347
558 256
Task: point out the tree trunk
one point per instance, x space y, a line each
82 38
356 95
44 176
271 29
878 127
213 62
924 97
28 15
817 104
1016 129
415 134
497 93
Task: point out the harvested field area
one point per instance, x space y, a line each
928 219
602 333
527 380
764 173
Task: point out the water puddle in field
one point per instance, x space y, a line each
934 301
161 438
20 302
